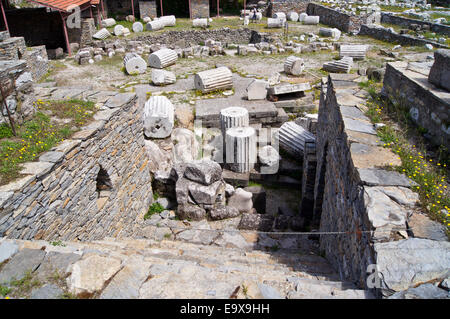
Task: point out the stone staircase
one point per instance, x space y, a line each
134 268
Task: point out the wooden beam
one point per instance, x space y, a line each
218 14
132 7
160 3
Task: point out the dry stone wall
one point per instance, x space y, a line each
199 9
93 185
365 209
328 16
286 6
427 105
405 22
188 38
385 34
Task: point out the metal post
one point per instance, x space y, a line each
103 10
160 3
66 35
4 15
218 8
132 7
190 12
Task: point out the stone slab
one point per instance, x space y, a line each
7 250
22 262
406 263
380 177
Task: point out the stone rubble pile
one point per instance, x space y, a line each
202 193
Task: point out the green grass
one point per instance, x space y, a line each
155 208
57 243
39 134
431 174
22 287
4 291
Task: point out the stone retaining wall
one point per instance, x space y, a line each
328 16
147 9
428 106
199 9
405 22
364 209
287 6
37 61
384 34
189 38
63 196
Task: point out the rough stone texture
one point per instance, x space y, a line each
62 204
56 263
199 9
384 34
422 227
256 222
48 291
147 9
425 291
351 195
158 117
89 275
205 172
224 213
241 200
24 261
126 284
406 263
427 105
37 61
7 250
389 18
191 212
440 71
185 146
297 6
328 16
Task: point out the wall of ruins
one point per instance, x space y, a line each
147 9
199 9
286 6
188 38
358 205
93 185
384 34
19 68
405 22
339 194
428 107
333 18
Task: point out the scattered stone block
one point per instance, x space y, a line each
257 90
440 71
214 79
158 117
90 274
163 77
134 64
162 58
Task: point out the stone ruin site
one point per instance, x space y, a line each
284 149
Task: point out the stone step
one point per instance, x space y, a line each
165 269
